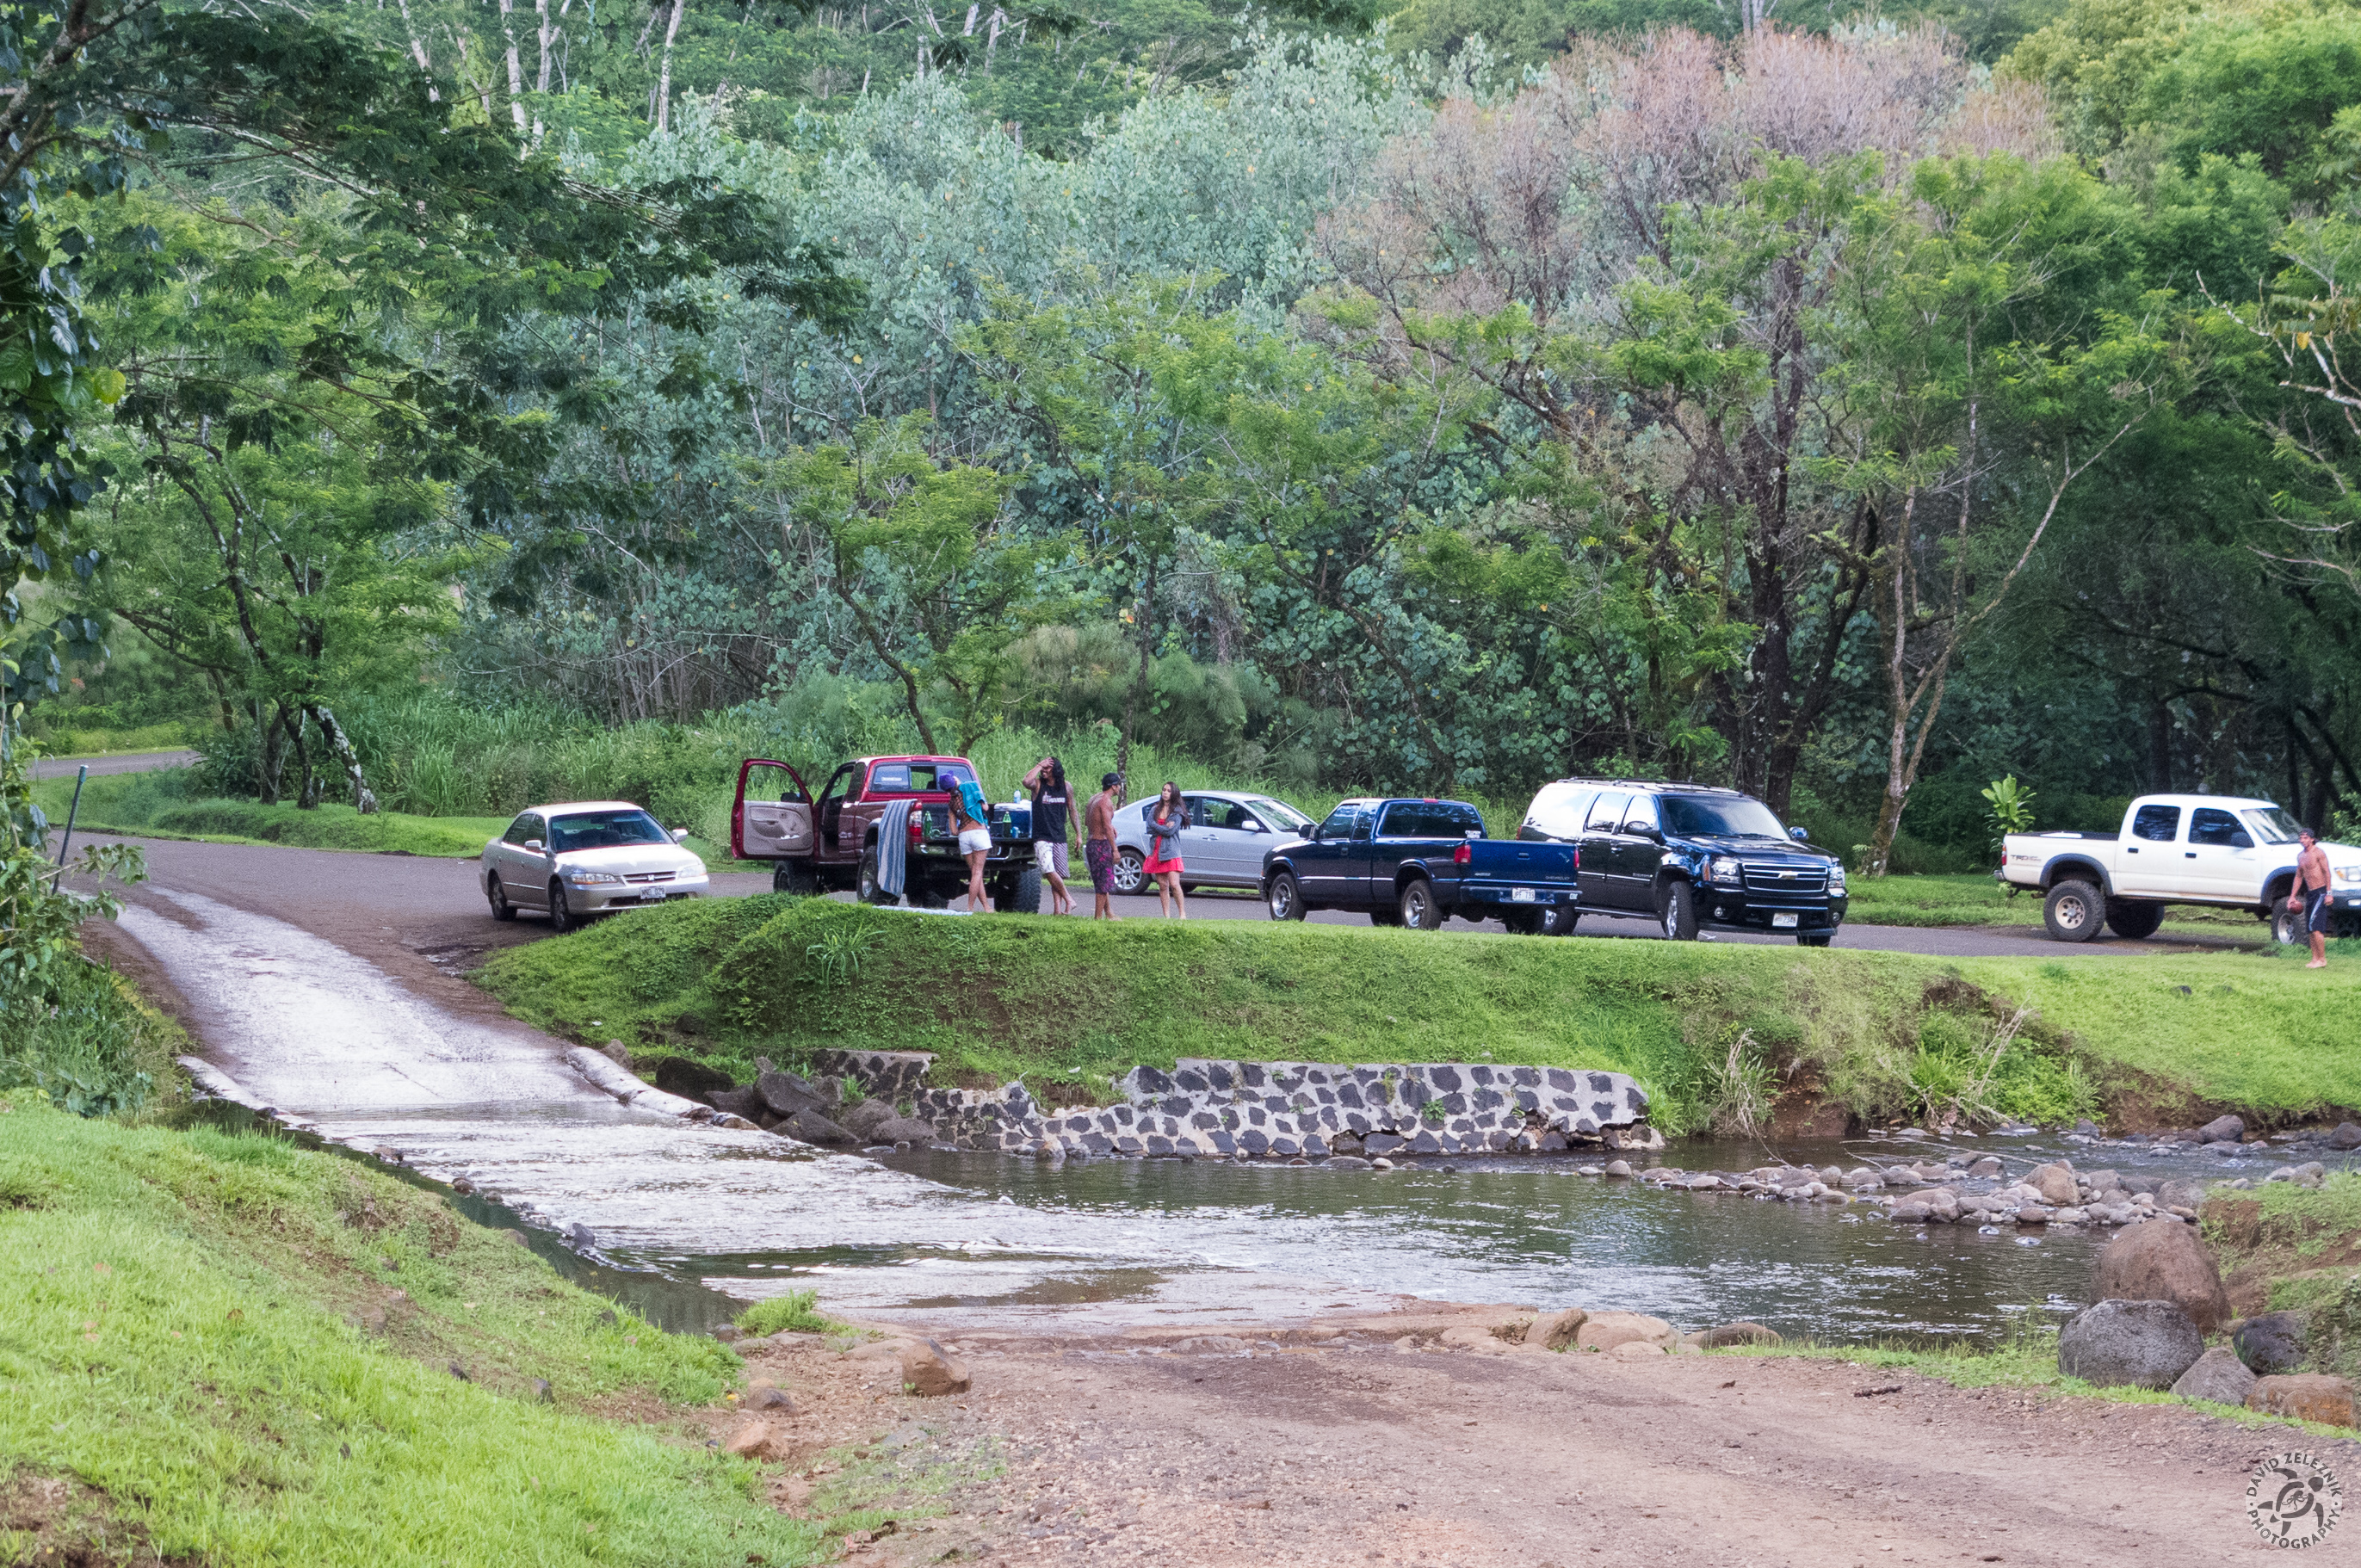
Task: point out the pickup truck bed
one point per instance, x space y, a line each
831 843
1415 863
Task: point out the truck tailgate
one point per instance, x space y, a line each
1513 870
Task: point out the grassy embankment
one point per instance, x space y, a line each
178 1339
2282 1245
1710 1031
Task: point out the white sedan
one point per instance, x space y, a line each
584 859
1223 845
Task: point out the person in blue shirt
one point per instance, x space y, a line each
974 841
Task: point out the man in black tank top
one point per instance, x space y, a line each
1052 814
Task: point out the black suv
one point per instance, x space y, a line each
1689 856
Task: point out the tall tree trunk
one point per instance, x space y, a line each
515 63
307 797
340 746
269 758
664 75
544 32
1139 681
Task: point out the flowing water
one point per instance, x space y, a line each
675 1212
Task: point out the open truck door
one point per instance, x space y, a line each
771 819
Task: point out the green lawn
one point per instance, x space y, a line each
174 1337
1891 1034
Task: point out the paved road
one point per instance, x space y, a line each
430 911
129 762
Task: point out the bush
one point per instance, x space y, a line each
791 1313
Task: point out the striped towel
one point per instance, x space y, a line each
894 848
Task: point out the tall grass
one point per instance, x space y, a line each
432 754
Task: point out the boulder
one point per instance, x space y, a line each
863 1119
1618 1168
904 1130
2054 1182
1728 1334
1638 1350
784 1094
2347 1136
2307 1396
691 1079
814 1128
754 1438
742 1102
2219 1375
2143 1345
2222 1129
761 1394
2165 1261
2104 1181
1605 1330
928 1370
1988 1166
2179 1194
1557 1333
2272 1342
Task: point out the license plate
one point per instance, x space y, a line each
1781 921
1520 896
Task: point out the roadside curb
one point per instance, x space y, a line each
626 1086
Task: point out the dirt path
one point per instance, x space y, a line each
1353 1452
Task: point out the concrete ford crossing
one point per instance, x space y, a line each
2225 851
1415 863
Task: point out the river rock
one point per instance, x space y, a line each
1988 1166
905 1130
761 1394
754 1438
2219 1375
2306 1395
2103 1180
814 1128
784 1094
2222 1129
1557 1333
2165 1263
1618 1168
928 1370
1211 1344
690 1079
2272 1342
1346 1162
1605 1330
2179 1194
863 1119
2347 1136
2054 1182
1729 1334
2144 1344
1638 1350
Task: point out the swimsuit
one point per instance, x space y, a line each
1100 854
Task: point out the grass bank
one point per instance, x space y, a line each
1717 1034
168 804
221 1348
2282 1245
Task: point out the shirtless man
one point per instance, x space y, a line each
2311 895
1098 852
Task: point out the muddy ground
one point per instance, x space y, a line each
1340 1445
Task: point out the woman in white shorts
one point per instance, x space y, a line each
974 841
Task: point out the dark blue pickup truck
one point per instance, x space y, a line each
1417 863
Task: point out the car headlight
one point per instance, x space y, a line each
582 877
694 868
1835 879
1724 870
2345 874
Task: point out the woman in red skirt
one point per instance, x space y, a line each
1165 820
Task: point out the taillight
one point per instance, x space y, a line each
1462 855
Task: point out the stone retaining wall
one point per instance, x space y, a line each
1219 1108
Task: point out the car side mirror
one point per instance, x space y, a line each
1798 834
679 835
533 845
1314 834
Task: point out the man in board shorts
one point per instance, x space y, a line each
1050 803
1098 850
2311 895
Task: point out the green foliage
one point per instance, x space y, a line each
2012 808
181 1344
795 1312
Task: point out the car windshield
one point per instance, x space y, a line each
604 830
1280 813
1702 817
2272 825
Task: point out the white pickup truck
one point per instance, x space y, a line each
2221 850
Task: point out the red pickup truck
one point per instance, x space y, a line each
831 844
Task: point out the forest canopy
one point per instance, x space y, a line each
1851 409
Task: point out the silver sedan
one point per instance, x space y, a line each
587 857
1223 845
